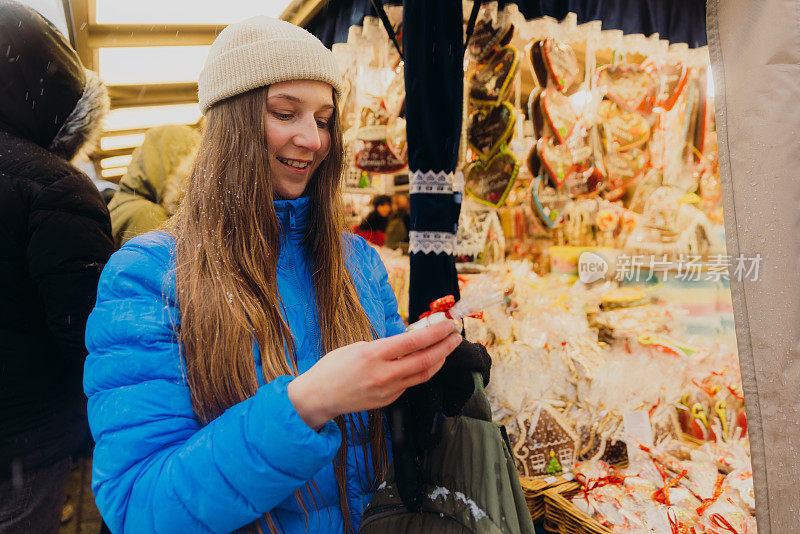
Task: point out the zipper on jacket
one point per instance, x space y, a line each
295 266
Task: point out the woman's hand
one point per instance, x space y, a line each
368 375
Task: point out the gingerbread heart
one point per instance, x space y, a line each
670 80
628 85
489 34
537 61
585 182
396 138
535 112
376 157
622 169
395 98
557 160
549 203
622 130
490 182
489 129
559 112
561 63
490 80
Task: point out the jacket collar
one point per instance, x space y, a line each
293 216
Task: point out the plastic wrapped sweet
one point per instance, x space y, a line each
650 497
545 349
741 481
724 517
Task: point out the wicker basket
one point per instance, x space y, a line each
534 489
563 517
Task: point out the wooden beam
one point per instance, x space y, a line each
92 10
123 96
302 15
79 11
123 132
109 35
103 154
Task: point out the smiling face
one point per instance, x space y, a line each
299 113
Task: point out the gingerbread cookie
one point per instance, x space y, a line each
490 182
488 35
622 169
559 112
490 128
490 80
549 203
561 63
628 85
622 130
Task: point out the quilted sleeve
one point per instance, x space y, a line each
394 323
69 242
156 469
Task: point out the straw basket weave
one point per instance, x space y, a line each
534 489
563 517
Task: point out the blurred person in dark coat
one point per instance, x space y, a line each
399 223
373 227
55 237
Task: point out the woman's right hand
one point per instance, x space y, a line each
368 375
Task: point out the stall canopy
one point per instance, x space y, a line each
678 21
755 58
333 21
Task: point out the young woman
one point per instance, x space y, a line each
236 369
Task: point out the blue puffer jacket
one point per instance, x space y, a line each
156 468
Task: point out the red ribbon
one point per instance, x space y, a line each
718 520
735 394
653 409
443 305
717 492
608 480
676 526
589 484
705 387
440 305
662 495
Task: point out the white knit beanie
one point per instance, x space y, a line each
261 51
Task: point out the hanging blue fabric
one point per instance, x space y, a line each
434 74
679 21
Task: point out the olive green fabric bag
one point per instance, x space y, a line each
471 483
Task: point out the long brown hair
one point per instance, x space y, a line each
228 242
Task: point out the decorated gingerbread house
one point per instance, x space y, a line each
545 444
480 236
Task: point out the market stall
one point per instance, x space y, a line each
618 172
593 189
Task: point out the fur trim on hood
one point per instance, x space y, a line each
82 127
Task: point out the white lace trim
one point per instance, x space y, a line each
429 182
431 242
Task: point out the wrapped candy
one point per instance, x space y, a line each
725 517
742 482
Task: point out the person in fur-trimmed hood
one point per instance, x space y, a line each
55 237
